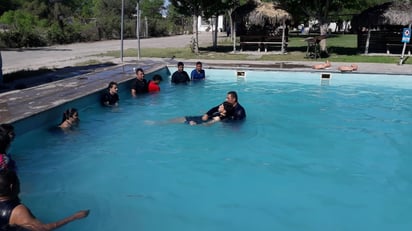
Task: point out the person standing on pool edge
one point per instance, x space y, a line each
238 112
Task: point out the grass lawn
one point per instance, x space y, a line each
341 48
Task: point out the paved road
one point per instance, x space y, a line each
64 55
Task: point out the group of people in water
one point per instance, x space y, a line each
13 214
16 216
227 111
181 76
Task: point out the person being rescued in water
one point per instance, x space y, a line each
221 114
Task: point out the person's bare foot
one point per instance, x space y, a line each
327 64
354 67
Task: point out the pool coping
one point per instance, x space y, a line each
20 104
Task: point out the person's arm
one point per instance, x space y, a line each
212 111
133 92
239 114
187 76
133 88
212 121
174 77
105 100
22 216
192 74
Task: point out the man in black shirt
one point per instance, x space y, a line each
140 84
110 97
180 76
238 112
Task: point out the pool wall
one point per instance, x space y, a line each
53 115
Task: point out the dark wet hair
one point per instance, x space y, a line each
139 69
180 64
69 113
228 107
7 178
233 94
4 142
111 84
7 129
198 63
157 77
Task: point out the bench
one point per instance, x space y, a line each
274 41
246 40
261 42
389 45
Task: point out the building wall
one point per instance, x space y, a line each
203 25
379 39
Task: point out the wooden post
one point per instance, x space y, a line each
283 37
403 49
367 41
234 36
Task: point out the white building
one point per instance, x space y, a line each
206 25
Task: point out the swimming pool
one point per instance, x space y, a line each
312 155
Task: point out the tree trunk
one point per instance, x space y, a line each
1 69
195 43
323 32
230 24
215 33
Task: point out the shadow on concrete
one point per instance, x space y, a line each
30 78
35 49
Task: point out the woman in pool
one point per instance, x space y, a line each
5 161
16 216
9 130
70 118
224 109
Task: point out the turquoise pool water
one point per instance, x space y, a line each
312 155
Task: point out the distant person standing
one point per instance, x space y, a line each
140 84
180 76
154 83
110 97
198 73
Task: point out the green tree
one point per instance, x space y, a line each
152 12
107 14
194 9
322 10
178 23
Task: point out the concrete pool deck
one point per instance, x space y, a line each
19 104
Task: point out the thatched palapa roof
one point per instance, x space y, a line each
256 12
397 13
